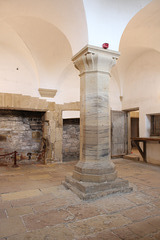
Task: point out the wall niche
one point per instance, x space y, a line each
71 139
21 131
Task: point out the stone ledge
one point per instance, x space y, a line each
50 93
95 167
24 102
87 191
95 178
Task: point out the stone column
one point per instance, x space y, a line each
95 174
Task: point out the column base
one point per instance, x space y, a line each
91 190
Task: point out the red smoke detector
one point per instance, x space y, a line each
105 45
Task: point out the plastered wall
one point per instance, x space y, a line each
142 90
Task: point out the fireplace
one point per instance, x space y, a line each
21 131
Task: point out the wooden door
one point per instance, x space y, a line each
119 133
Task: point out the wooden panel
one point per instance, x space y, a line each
119 133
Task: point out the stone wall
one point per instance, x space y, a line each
21 131
9 101
71 139
53 122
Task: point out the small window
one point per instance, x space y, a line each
155 125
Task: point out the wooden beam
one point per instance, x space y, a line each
142 152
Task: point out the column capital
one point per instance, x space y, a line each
95 59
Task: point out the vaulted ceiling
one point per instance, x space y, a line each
38 39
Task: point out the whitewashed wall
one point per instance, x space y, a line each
142 90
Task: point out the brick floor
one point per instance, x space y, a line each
34 205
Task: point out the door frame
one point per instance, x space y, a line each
129 126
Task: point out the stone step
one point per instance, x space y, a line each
131 157
88 191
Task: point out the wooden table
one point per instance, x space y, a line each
143 140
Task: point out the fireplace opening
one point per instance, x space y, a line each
21 131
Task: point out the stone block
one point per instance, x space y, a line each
89 190
58 107
19 211
97 224
71 106
2 214
58 151
17 101
25 102
8 100
20 195
95 178
140 228
50 93
58 134
11 226
34 101
2 100
51 106
49 115
40 177
45 129
52 135
44 219
52 124
42 105
95 167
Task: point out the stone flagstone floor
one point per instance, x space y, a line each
35 206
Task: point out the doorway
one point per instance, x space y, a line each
71 136
133 129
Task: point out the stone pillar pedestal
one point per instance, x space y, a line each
95 174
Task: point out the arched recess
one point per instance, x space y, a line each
68 16
52 31
140 36
138 69
18 73
52 55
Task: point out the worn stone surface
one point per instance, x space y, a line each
60 232
11 226
47 218
103 235
2 214
11 212
20 195
56 213
125 233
